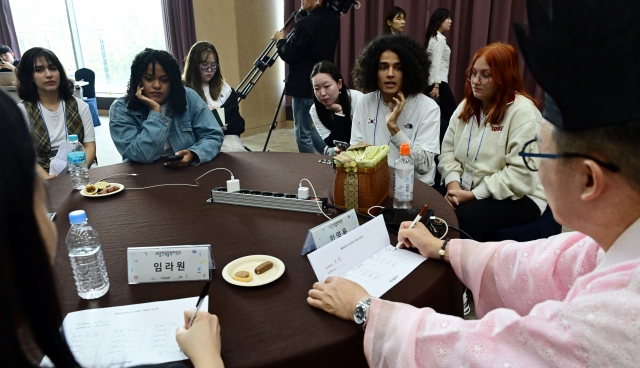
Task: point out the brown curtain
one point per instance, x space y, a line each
476 23
179 28
7 30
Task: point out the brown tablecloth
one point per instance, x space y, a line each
267 326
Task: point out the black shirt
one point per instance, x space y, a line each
313 39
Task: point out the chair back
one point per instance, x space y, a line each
88 91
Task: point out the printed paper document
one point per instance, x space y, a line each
365 256
129 335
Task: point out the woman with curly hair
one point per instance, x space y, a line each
394 21
439 54
54 113
159 117
393 71
203 74
486 181
332 111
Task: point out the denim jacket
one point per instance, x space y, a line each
140 136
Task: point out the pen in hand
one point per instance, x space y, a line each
415 221
204 293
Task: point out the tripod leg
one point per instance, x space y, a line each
274 122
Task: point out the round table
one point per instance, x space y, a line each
266 326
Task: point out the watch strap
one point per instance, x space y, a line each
441 251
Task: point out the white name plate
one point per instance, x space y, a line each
169 264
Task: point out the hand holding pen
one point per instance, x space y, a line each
416 220
199 337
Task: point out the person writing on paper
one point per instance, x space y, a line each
159 117
54 113
203 74
333 107
572 299
27 330
393 71
487 183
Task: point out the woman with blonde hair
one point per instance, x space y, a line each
486 181
203 74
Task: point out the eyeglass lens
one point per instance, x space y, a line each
207 66
532 162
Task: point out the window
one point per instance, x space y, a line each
110 34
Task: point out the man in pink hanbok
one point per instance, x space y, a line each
570 300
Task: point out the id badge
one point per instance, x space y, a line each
467 176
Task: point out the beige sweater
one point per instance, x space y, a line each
500 173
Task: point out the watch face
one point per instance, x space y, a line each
359 314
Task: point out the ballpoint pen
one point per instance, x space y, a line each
413 224
205 291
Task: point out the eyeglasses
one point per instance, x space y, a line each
531 156
482 79
206 66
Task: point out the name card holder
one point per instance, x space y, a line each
169 263
329 231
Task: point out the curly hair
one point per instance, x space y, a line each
415 64
390 16
344 98
27 89
192 78
177 94
505 72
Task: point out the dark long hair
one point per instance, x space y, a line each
391 14
192 78
344 98
28 294
415 64
438 16
27 89
177 94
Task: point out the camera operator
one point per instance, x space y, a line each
312 40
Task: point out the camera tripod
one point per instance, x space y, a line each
264 61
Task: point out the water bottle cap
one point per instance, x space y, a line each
73 138
404 149
77 217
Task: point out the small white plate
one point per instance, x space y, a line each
249 264
120 189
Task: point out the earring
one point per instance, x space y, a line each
339 92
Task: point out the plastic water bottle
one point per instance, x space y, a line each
77 161
403 178
86 257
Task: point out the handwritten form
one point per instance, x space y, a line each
365 256
129 335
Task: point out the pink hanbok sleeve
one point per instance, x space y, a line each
400 335
520 275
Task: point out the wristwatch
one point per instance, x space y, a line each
361 312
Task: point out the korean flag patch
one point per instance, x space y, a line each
371 121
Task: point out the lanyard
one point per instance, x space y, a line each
481 138
64 114
375 127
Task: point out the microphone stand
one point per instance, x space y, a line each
261 64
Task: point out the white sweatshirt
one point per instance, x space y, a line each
419 124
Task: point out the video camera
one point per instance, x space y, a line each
342 7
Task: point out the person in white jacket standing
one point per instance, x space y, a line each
393 71
440 55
